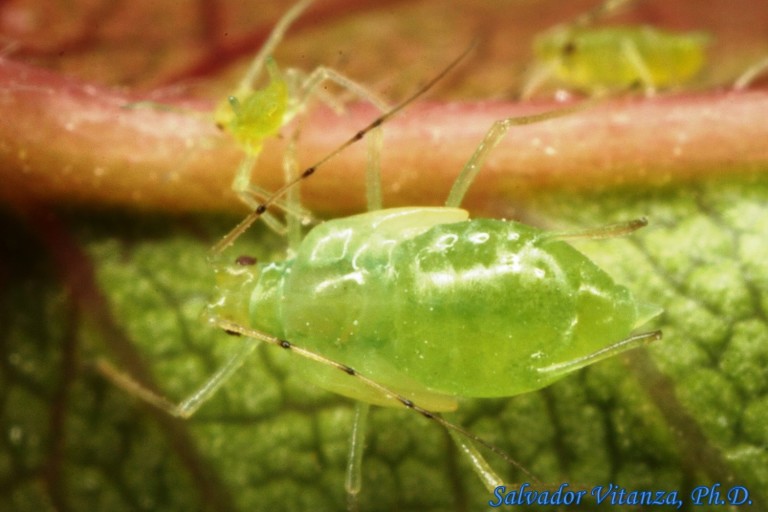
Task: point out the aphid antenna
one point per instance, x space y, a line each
599 233
238 230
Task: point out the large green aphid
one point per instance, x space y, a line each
426 300
615 58
418 307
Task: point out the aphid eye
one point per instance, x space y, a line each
232 333
569 48
245 260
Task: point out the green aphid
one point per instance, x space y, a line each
616 58
419 307
435 306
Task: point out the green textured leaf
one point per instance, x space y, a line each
690 410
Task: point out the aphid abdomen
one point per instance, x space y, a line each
426 301
499 299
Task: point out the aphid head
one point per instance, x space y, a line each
234 283
555 45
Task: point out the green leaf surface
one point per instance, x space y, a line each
690 410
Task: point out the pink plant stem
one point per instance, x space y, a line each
64 141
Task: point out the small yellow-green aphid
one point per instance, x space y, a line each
615 58
251 114
419 307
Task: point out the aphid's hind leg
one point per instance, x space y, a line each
192 403
629 343
252 195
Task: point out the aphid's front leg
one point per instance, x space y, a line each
194 401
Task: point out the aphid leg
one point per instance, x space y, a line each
375 140
600 232
752 72
306 87
373 197
354 479
538 76
492 138
481 467
629 343
250 194
192 403
631 53
292 197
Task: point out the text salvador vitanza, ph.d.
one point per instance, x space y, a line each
612 494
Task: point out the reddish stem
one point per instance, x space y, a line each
75 142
